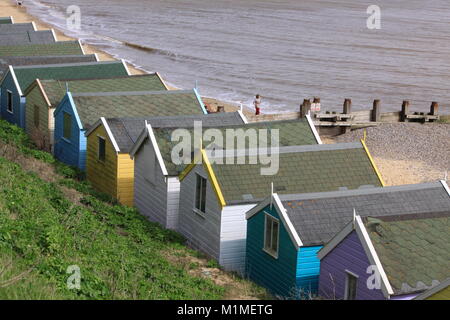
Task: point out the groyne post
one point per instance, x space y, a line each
434 108
405 110
347 106
347 109
376 111
305 108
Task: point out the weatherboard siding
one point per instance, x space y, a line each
125 179
277 275
41 135
150 197
308 270
68 151
51 127
201 231
347 255
82 151
233 234
14 117
173 202
101 174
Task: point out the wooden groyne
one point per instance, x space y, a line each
334 123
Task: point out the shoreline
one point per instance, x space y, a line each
21 15
394 170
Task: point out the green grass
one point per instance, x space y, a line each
13 135
121 255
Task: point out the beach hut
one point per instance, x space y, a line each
115 174
59 48
43 96
6 20
159 200
28 37
438 292
216 194
76 113
18 78
285 232
5 62
394 257
8 28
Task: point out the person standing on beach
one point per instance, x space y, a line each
257 104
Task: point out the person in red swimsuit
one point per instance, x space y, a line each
257 104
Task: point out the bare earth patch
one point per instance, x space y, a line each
43 170
235 288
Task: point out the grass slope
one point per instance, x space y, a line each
121 255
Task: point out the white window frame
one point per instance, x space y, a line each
270 252
347 275
196 210
9 94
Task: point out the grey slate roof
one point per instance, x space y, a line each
58 48
301 169
317 217
5 62
414 249
26 75
56 89
127 130
93 105
6 20
290 133
27 37
16 27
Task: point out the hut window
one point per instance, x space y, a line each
101 149
36 115
350 286
271 235
200 194
9 101
67 126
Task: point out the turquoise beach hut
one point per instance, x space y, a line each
286 232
